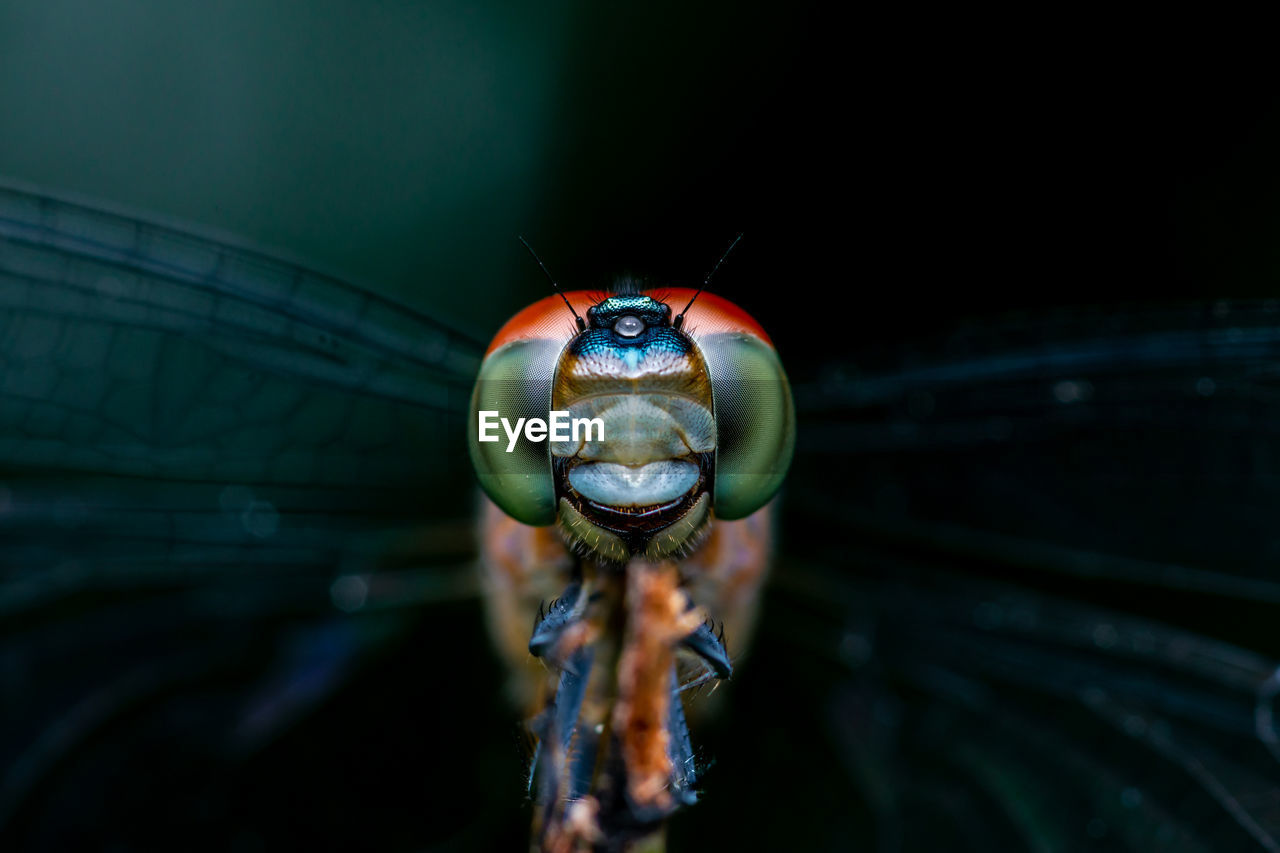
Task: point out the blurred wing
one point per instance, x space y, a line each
136 356
1043 553
206 453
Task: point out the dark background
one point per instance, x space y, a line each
889 175
894 170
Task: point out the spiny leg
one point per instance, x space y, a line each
615 757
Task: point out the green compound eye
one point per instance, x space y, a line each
516 381
755 420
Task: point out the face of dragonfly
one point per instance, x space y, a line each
693 420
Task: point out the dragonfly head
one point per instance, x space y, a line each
647 427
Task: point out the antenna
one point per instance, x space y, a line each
679 321
582 325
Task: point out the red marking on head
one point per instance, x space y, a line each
710 315
549 319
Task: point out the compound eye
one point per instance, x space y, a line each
628 326
515 383
755 421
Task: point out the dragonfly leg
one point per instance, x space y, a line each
554 621
709 646
614 740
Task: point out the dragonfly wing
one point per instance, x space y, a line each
189 387
1031 568
226 480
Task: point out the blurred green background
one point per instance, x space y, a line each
406 144
871 161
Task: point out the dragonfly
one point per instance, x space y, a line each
682 431
1023 595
